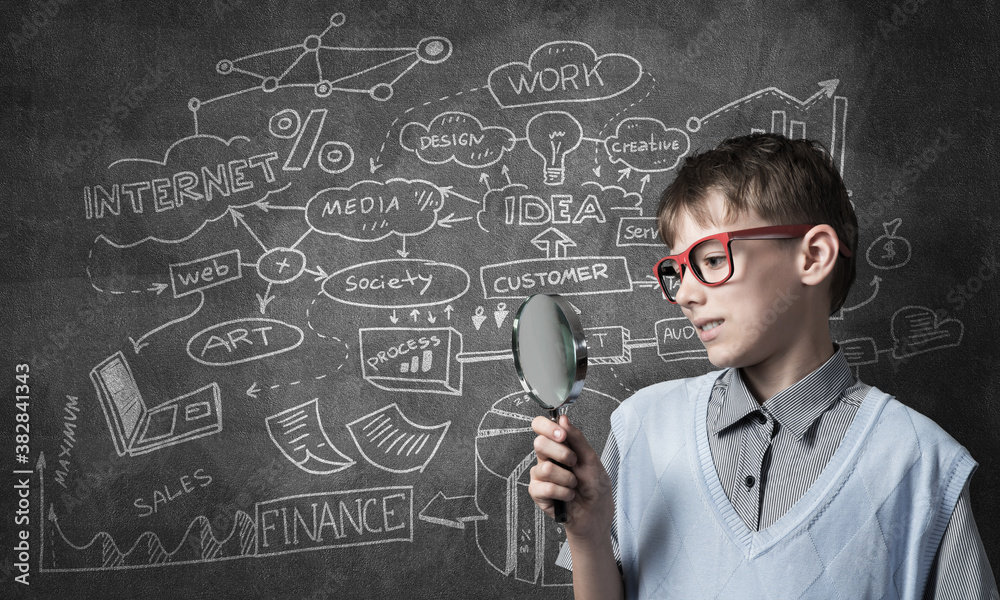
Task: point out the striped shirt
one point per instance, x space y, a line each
767 455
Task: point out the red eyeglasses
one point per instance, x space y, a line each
711 258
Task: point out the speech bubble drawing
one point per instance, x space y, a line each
369 211
616 198
243 340
458 137
397 283
647 144
563 71
170 200
917 329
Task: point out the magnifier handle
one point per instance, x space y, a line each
558 506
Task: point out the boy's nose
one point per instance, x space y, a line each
690 289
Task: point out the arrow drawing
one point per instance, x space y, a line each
827 88
40 467
553 242
319 273
646 282
874 283
238 218
452 511
139 344
263 301
301 239
266 206
447 191
644 180
447 221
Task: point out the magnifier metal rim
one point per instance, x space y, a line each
579 350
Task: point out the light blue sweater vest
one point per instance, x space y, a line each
869 526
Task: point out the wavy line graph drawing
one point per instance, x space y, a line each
198 545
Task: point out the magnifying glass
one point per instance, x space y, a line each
550 356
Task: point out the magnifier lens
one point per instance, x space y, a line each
550 355
548 359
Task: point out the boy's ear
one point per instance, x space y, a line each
819 249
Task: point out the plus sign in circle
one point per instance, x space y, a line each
281 265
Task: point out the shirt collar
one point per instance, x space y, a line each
796 407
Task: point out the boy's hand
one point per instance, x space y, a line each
585 487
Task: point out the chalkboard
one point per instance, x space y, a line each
260 264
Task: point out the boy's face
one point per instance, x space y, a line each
757 307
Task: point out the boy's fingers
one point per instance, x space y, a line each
543 426
546 449
544 490
553 473
576 440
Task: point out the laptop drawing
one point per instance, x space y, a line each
137 429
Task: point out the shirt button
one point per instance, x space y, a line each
761 418
750 481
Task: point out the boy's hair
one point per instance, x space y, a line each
784 181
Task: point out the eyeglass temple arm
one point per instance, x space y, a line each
767 233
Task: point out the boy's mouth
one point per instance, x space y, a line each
707 325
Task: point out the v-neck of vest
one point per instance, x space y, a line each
754 543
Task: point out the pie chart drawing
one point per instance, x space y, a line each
517 538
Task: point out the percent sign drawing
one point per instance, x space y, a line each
334 156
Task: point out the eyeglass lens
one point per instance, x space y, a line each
709 260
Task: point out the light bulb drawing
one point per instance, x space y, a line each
553 135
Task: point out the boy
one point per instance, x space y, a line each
780 476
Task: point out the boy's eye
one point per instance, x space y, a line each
715 262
